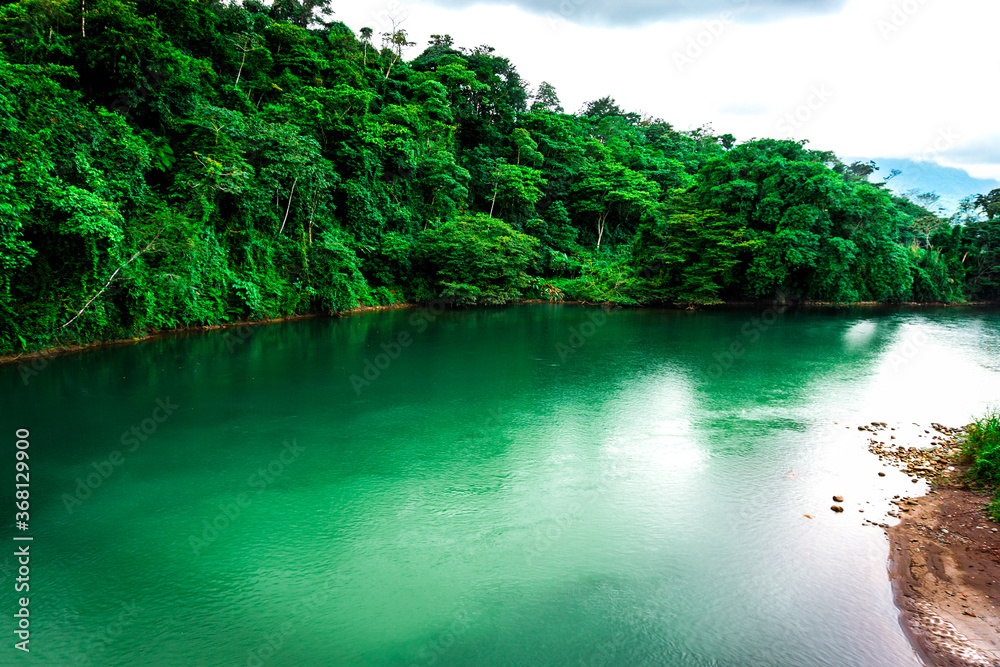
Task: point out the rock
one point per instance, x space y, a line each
838 499
837 508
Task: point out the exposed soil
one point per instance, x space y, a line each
945 567
944 556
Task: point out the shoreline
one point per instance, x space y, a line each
944 553
944 558
944 579
56 351
48 352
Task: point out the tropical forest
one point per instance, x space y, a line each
168 164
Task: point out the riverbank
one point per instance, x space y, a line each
945 570
944 559
42 355
45 353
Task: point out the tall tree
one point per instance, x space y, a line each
609 193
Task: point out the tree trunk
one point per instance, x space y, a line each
240 73
288 207
101 291
392 64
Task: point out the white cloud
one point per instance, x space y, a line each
631 13
898 73
743 108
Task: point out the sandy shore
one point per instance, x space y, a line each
944 561
945 568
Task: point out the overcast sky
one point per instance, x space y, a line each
879 78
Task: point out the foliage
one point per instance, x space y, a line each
606 276
690 256
982 446
476 260
170 163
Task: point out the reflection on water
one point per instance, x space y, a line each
505 490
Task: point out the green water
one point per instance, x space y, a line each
539 485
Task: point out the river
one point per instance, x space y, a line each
534 485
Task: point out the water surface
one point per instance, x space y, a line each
546 485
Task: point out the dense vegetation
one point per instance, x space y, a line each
982 447
169 163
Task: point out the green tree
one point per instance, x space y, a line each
609 193
545 98
688 256
476 260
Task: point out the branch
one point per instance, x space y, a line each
288 207
101 291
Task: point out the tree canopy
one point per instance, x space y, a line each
169 164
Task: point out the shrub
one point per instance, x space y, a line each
476 260
982 445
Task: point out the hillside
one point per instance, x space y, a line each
170 164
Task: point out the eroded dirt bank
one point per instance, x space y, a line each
944 556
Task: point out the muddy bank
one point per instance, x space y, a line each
944 555
945 567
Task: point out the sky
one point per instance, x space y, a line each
879 78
